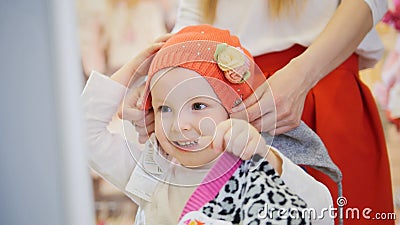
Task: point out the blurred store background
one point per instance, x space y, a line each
111 31
108 43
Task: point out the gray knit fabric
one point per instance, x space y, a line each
303 146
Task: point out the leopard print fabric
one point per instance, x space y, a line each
255 194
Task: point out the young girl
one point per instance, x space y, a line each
189 171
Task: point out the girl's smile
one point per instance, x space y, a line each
186 112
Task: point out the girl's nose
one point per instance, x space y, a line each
182 122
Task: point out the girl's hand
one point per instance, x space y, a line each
240 138
243 140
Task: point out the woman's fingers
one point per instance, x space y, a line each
163 38
133 114
259 103
144 132
280 103
147 55
129 109
137 67
266 123
143 120
146 120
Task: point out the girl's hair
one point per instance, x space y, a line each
208 7
276 8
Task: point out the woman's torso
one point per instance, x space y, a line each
260 33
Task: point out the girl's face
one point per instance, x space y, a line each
186 113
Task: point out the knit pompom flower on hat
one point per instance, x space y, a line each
233 62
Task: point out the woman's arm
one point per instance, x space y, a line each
189 13
337 41
334 45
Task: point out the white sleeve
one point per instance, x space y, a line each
378 9
316 194
189 13
109 153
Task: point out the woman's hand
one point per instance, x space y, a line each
280 101
131 110
136 68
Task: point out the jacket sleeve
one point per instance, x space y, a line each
110 154
316 194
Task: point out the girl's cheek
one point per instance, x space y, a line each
207 126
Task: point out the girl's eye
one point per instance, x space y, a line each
164 109
198 106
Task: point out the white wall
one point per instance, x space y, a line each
44 178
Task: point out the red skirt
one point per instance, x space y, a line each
342 111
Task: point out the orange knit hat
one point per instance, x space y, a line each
216 55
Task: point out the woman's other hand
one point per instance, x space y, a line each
130 109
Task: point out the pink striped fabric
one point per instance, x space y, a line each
219 174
